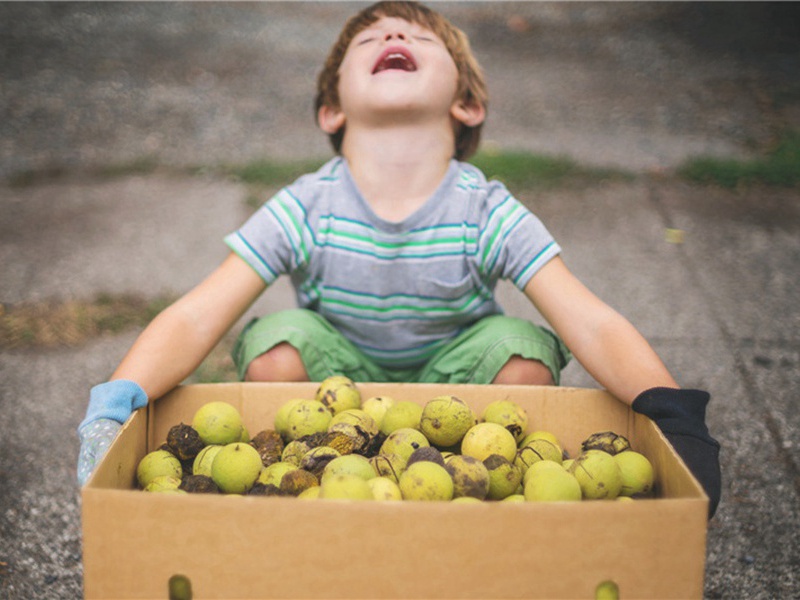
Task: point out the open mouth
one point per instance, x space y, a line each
397 58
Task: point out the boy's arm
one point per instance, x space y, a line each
622 361
607 345
170 348
175 343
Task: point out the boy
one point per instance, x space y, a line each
394 248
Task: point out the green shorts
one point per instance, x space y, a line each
474 356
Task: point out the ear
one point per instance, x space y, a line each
330 119
470 115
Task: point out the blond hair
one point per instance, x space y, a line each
471 88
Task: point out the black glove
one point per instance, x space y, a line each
681 416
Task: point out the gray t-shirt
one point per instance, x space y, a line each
398 291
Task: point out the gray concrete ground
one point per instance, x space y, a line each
639 86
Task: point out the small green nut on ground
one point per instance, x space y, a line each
236 468
218 423
345 487
485 439
307 417
155 464
509 414
445 420
636 471
338 393
403 414
426 481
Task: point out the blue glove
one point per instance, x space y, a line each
681 416
110 405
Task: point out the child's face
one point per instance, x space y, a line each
396 69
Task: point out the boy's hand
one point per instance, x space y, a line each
680 414
110 405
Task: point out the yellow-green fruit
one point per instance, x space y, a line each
218 423
384 488
445 420
155 464
485 439
338 393
376 407
351 464
307 417
390 466
514 498
245 437
466 500
401 415
273 474
540 434
598 475
508 414
403 442
426 481
204 459
542 464
636 471
567 464
536 451
282 417
470 476
236 468
345 487
552 485
163 483
606 590
311 493
504 477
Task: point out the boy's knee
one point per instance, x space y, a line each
524 371
280 363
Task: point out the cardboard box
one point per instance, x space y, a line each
275 547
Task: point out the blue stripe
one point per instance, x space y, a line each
257 255
532 262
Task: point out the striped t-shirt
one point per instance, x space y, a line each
398 290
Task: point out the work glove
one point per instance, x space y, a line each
110 405
681 416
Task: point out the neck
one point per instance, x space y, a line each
397 168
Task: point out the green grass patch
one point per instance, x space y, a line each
272 173
71 323
780 167
535 171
